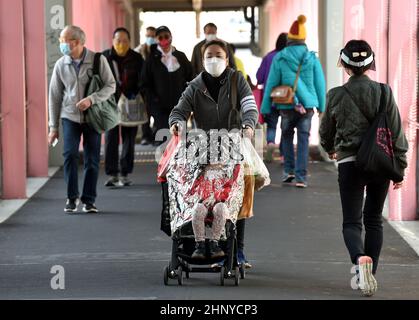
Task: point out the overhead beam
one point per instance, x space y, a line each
187 5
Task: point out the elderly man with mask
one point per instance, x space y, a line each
67 102
211 33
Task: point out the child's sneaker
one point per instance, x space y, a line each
367 282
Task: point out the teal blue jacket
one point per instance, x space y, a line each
311 89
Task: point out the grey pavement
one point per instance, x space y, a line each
294 242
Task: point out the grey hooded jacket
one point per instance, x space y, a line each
67 88
207 113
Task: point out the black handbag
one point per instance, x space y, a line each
376 153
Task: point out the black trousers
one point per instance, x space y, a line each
112 159
240 226
356 214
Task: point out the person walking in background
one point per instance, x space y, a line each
296 64
126 65
164 78
67 102
350 111
144 50
150 39
262 78
211 33
239 63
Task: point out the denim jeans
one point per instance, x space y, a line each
272 123
356 214
112 159
292 120
72 132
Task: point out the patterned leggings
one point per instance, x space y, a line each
220 212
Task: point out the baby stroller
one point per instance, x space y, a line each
187 185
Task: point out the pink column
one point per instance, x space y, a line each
12 99
403 79
36 88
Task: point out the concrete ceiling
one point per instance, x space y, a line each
186 5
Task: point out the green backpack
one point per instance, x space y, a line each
102 116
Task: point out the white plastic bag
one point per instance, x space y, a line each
254 165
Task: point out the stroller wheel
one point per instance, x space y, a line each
237 277
242 271
222 276
166 276
180 276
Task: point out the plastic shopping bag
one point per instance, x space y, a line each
254 165
167 156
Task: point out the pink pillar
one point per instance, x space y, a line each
12 99
36 88
403 79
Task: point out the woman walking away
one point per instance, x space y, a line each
351 109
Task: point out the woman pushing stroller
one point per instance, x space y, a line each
208 97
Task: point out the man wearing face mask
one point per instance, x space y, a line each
164 78
67 102
150 39
126 65
210 31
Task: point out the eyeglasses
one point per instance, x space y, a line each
163 37
64 40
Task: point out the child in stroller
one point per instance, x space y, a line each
204 202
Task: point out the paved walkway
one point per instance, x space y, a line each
294 242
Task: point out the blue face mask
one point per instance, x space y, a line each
150 41
65 49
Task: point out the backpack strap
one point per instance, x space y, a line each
382 101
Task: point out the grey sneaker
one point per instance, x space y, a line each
126 182
367 282
113 182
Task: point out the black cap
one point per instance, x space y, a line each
162 29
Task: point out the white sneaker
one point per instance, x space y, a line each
367 283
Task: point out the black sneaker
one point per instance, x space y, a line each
90 208
199 253
71 205
125 181
215 250
288 178
145 142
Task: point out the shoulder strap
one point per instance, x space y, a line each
297 77
382 100
96 63
233 90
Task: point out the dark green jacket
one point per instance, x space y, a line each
344 125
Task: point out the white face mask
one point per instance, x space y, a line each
215 66
210 37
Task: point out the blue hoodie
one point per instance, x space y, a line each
311 89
